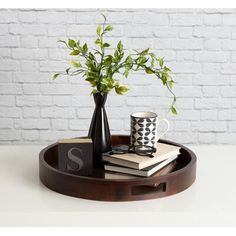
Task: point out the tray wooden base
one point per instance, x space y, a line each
96 187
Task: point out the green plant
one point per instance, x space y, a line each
100 68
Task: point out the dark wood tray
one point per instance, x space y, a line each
96 187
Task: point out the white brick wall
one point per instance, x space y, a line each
198 44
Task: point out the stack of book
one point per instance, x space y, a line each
129 165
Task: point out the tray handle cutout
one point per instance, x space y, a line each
148 189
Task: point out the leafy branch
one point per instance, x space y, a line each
100 68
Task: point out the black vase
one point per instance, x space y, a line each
99 130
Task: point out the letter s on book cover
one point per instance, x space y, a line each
75 156
75 159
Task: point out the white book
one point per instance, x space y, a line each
132 160
144 172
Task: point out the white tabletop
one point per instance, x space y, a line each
210 201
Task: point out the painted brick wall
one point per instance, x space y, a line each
199 46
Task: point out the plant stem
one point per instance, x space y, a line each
102 56
117 68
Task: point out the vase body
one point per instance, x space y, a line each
99 130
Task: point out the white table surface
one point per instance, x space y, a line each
210 201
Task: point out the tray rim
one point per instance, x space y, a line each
138 179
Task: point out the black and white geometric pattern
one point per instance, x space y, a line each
143 131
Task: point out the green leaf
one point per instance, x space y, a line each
98 42
126 73
71 43
166 69
164 79
116 54
128 59
99 30
110 83
55 76
153 58
85 48
75 64
109 72
142 60
108 60
144 52
94 91
173 110
109 28
91 56
93 74
120 90
120 46
106 45
75 53
170 83
161 62
92 81
148 70
90 78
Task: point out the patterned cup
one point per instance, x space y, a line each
144 129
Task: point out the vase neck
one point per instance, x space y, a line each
100 99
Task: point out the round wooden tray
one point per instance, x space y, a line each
96 187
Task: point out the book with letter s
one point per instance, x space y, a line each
75 155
